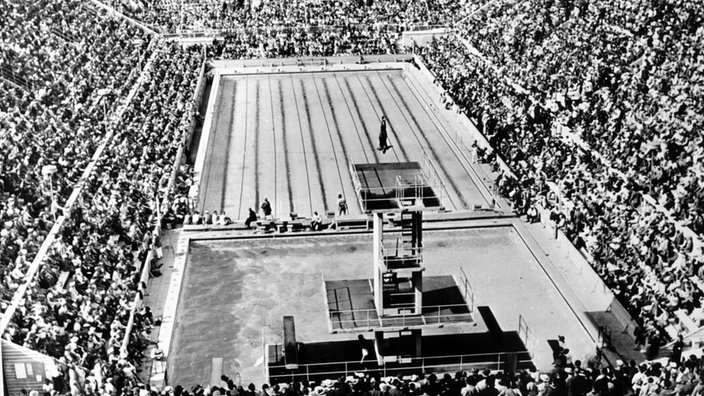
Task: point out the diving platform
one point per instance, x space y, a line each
397 186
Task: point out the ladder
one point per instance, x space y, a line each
410 232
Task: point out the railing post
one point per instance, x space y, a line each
307 373
461 362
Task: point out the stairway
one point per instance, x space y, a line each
407 237
411 224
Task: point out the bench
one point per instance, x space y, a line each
346 223
290 344
236 226
266 225
299 225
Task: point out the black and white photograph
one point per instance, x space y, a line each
352 197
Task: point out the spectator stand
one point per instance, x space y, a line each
479 9
117 13
421 35
41 255
571 138
157 230
115 121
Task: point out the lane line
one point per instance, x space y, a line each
435 155
339 134
244 150
327 125
227 147
356 128
315 148
273 132
303 144
287 163
256 148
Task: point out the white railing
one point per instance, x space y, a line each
467 291
445 363
414 255
369 318
526 335
433 176
407 191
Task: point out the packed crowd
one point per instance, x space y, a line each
608 129
629 87
52 113
680 375
325 28
601 97
82 320
268 29
170 17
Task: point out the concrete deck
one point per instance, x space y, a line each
249 284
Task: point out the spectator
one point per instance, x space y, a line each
266 208
250 218
316 223
341 205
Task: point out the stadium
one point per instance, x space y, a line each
316 197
